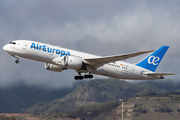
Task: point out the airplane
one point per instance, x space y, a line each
57 59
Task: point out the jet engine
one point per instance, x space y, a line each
73 63
52 67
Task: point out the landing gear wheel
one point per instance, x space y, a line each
17 61
81 77
78 77
88 76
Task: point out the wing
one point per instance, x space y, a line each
97 62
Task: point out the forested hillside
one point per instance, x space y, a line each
15 98
34 99
99 91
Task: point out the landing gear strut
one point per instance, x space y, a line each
17 61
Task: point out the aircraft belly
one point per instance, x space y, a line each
114 72
99 70
120 73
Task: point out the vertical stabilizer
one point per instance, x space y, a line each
152 61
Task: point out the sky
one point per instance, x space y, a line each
100 27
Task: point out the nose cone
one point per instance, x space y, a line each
5 48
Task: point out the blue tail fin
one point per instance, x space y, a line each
152 61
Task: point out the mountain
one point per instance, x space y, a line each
35 99
146 107
159 86
20 96
99 91
93 91
142 107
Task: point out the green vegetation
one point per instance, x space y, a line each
146 106
89 110
141 109
14 99
2 117
164 108
37 100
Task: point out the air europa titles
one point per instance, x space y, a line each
49 50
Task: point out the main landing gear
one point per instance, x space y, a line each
80 77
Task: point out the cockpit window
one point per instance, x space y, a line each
12 43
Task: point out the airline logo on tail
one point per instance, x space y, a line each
153 60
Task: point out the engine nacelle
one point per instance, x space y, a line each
72 62
52 67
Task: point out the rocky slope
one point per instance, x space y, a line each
95 91
150 107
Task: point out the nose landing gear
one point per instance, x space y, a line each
17 61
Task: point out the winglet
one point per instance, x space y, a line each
152 61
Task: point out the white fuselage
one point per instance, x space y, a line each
46 53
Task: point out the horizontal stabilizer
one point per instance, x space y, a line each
159 74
